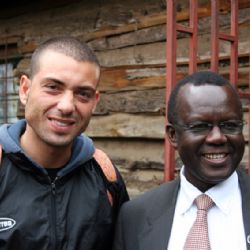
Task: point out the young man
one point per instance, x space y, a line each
53 193
205 127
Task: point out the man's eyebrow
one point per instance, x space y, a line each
53 80
59 82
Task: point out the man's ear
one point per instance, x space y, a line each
24 89
171 134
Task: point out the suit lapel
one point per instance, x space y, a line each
156 233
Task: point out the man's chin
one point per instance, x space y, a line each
60 143
214 180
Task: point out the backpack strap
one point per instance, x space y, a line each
107 168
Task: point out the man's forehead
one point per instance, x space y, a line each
211 95
204 90
204 96
51 51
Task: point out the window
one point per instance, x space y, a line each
8 93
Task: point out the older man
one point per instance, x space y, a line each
208 206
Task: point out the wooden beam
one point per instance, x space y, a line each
150 101
127 126
142 22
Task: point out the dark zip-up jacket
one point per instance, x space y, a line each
70 213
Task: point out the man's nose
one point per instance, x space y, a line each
66 103
216 136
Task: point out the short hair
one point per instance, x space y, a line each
69 46
196 79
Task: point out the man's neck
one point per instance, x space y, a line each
47 156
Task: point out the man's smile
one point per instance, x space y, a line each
214 156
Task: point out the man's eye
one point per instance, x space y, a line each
52 86
199 127
230 125
86 94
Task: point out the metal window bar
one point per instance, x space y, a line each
246 95
5 86
172 28
232 38
249 118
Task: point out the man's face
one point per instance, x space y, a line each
59 99
211 158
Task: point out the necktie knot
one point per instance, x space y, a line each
204 202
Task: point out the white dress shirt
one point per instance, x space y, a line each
225 222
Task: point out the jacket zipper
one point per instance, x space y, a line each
53 214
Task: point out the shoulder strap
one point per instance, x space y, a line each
107 168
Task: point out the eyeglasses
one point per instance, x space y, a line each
231 127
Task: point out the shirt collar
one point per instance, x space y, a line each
189 192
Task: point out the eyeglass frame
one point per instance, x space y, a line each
206 130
